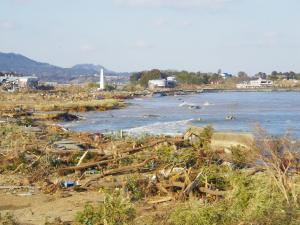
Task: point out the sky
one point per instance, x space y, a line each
135 35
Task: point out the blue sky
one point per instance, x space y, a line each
131 35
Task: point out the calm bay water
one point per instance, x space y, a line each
277 112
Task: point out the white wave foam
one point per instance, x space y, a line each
207 104
166 128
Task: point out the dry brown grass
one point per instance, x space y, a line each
63 99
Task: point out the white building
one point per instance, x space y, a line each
170 82
226 75
28 82
159 83
259 83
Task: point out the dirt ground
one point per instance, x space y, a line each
36 209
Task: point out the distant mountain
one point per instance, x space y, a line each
91 69
88 67
11 62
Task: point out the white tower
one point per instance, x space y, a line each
102 81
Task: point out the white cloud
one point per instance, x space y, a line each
142 44
160 22
87 48
7 25
174 3
186 24
269 39
169 23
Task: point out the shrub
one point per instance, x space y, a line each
252 200
165 153
135 188
115 210
239 157
204 140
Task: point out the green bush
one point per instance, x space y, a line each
252 200
204 139
239 157
115 210
165 153
135 188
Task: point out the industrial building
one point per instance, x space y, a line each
170 82
259 83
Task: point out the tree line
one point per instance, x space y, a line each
201 78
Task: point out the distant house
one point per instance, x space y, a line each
159 83
226 75
170 82
28 82
11 82
259 83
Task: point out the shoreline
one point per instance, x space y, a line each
252 90
175 92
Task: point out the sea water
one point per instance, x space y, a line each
276 112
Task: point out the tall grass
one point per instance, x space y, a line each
267 196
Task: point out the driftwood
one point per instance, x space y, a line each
82 158
122 170
88 165
106 159
192 185
161 200
67 152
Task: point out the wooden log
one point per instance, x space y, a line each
122 170
88 165
161 200
67 152
192 185
82 158
106 159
